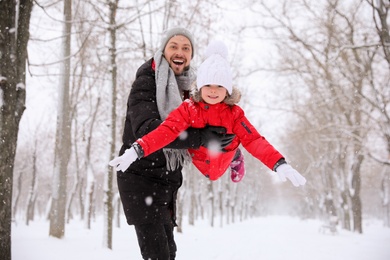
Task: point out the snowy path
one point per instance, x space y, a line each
270 238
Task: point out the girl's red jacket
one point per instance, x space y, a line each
197 115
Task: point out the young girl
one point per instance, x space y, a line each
213 103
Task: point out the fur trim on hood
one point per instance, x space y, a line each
230 100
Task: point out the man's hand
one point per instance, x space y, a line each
215 138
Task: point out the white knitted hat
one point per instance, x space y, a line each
215 70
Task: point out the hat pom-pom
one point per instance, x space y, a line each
216 47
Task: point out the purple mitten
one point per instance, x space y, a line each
237 167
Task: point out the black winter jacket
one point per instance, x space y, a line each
147 189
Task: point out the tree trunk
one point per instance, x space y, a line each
14 28
72 195
33 187
346 218
118 206
89 196
233 202
210 199
220 198
227 202
108 192
181 198
81 198
90 183
63 146
355 198
18 193
385 194
192 197
77 180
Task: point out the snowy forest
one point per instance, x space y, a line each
314 77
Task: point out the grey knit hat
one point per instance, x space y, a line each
169 33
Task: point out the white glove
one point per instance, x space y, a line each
123 162
286 171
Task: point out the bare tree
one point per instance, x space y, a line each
329 63
380 12
381 100
82 107
108 183
32 195
14 36
17 193
191 195
90 178
211 202
63 143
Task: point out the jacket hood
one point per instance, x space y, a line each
230 100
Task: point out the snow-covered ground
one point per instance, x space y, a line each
267 238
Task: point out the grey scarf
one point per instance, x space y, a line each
168 95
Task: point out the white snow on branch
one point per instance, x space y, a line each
21 86
1 98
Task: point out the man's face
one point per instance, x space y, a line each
178 53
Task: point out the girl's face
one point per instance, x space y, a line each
213 94
178 53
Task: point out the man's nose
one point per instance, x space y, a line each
179 52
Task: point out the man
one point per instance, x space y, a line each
148 188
